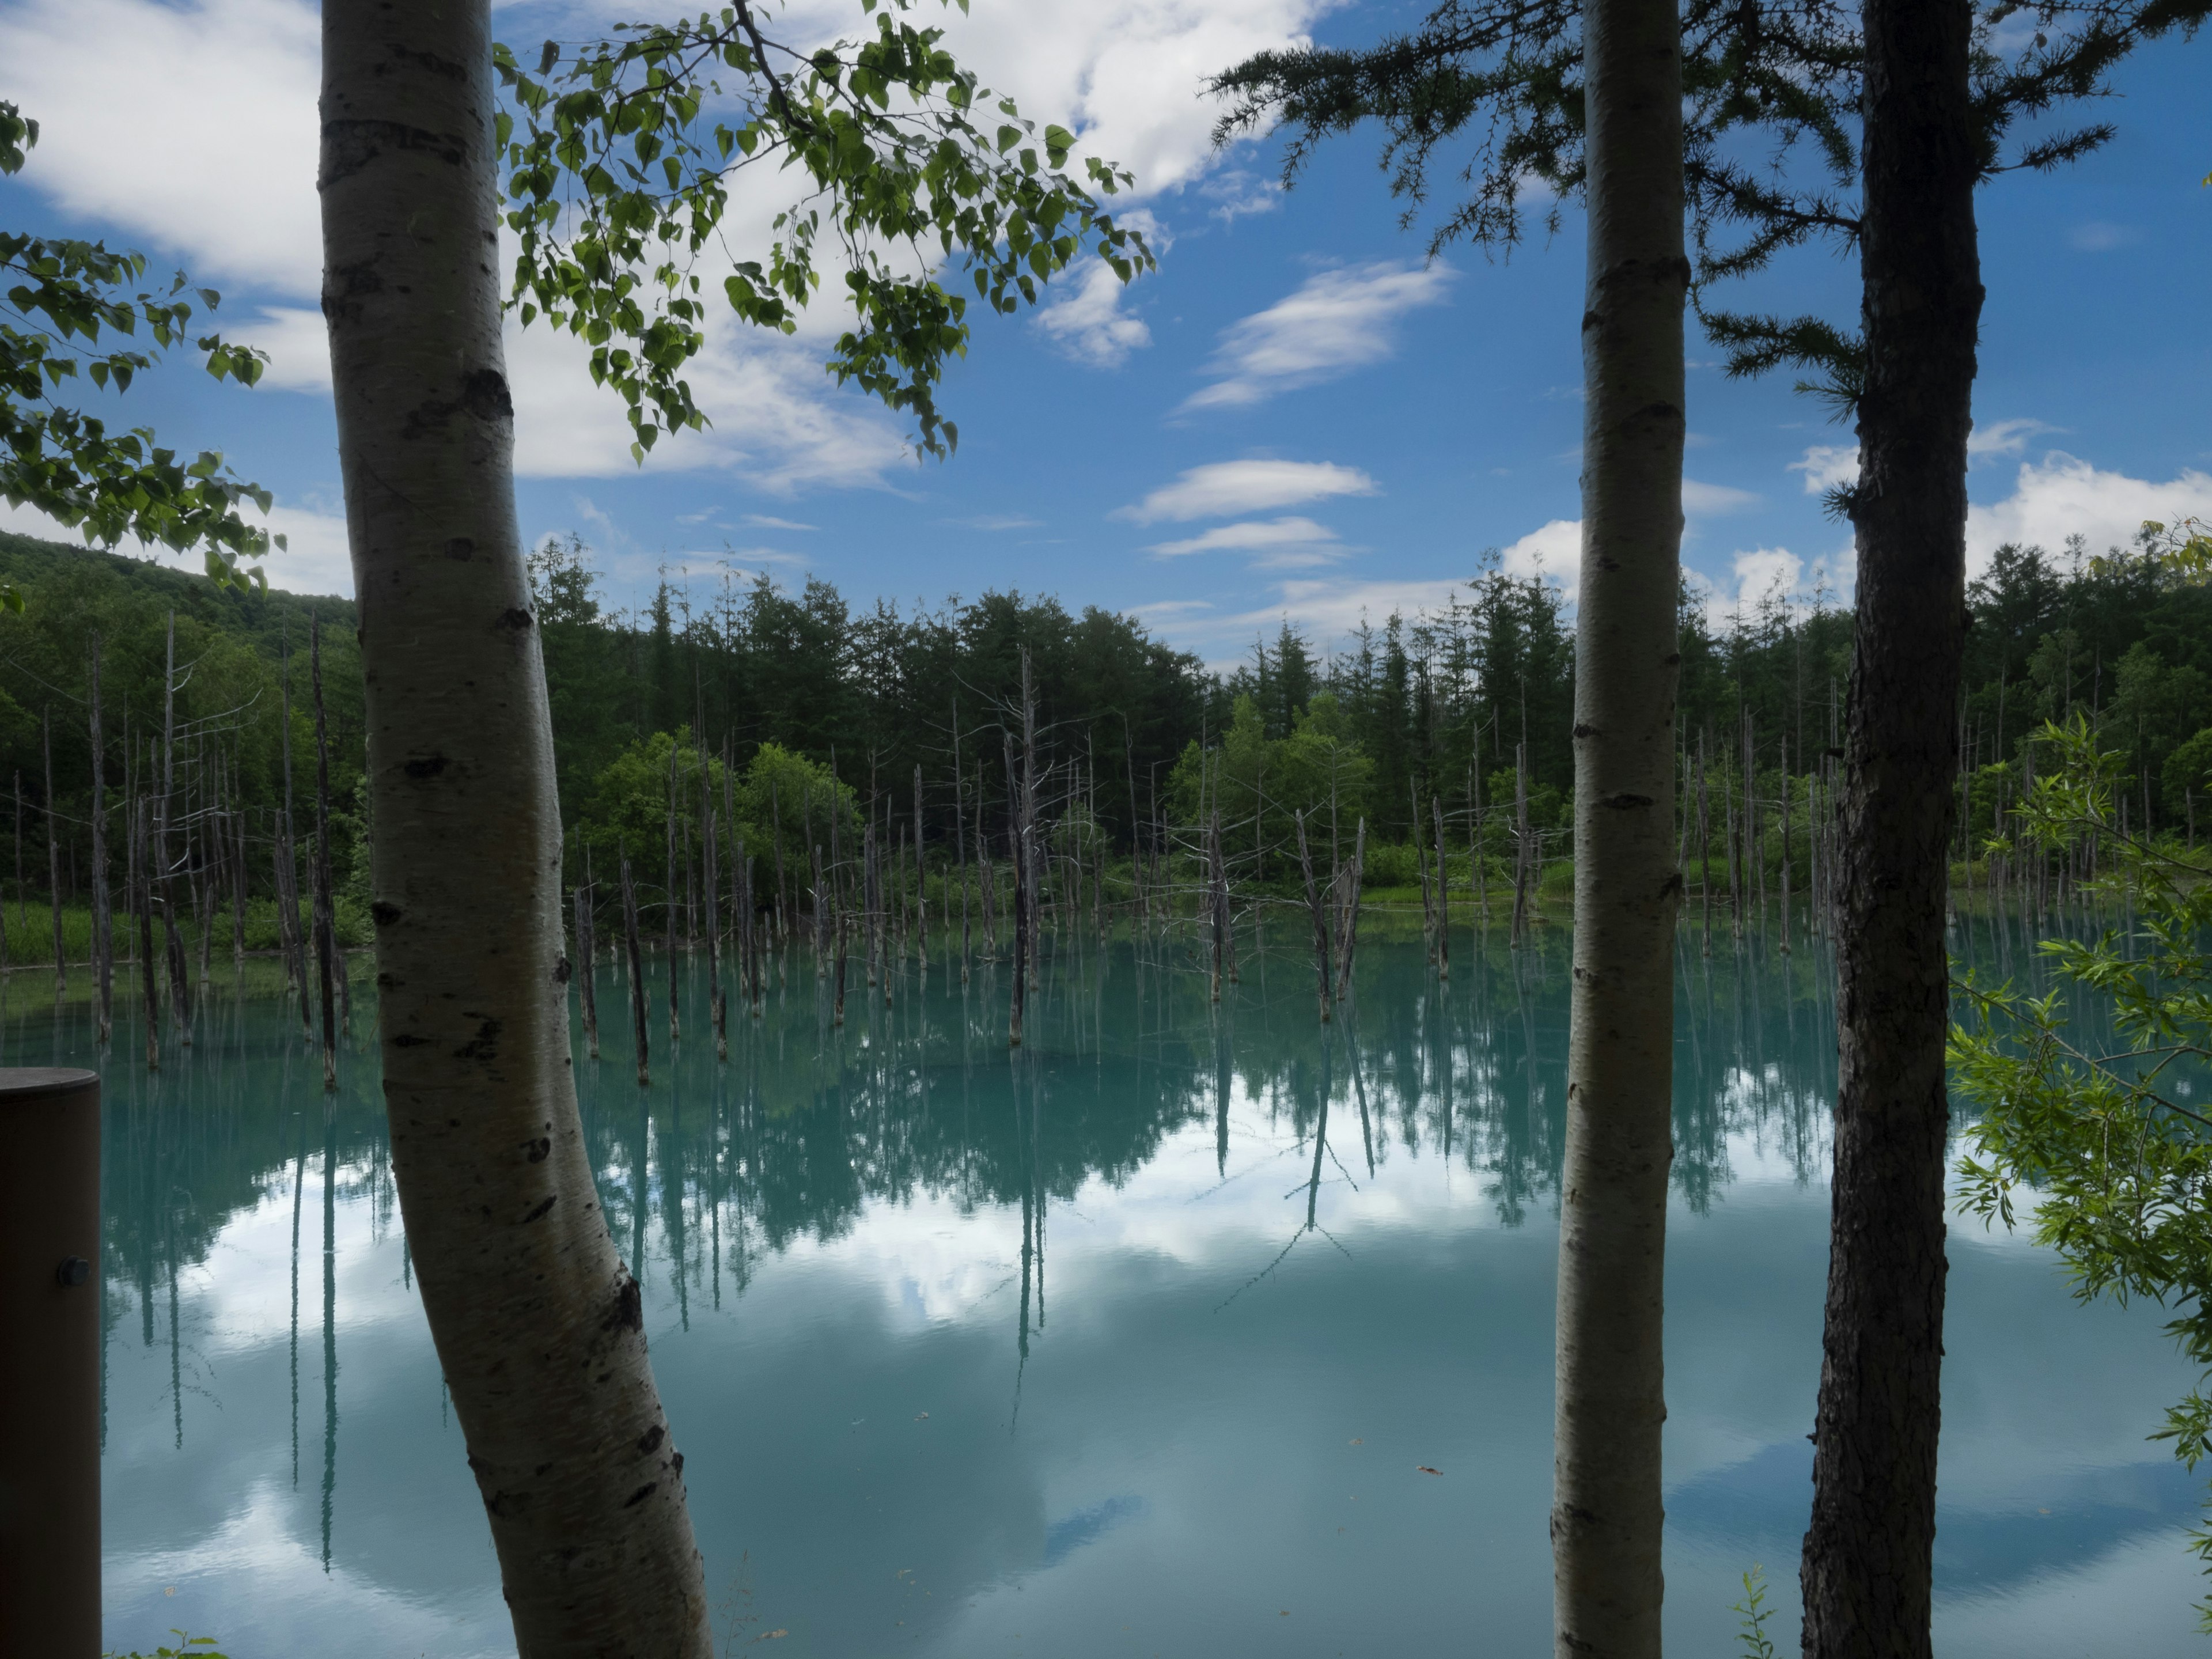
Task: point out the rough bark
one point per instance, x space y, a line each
1866 1573
1607 1512
538 1322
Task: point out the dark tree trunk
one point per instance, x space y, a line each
1867 1565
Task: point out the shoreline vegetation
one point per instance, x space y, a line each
780 755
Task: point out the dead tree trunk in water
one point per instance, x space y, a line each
1217 900
1348 933
538 1322
325 912
165 857
142 894
103 921
293 938
1320 919
709 879
1018 836
1521 839
630 945
1866 1570
588 961
1443 893
238 869
668 899
53 856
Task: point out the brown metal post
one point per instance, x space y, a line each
50 1362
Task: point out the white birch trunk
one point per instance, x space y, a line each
537 1321
1606 1512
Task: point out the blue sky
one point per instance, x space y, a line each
1294 417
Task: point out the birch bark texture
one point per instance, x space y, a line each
538 1322
1867 1571
1607 1511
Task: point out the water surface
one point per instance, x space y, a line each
1142 1340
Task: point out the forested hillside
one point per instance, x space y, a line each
1427 712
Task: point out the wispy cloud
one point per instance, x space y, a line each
1236 193
2004 437
994 521
2100 236
1090 324
763 521
1826 465
1226 488
1271 537
1705 500
1338 321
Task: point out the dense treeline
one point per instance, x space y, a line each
208 736
824 710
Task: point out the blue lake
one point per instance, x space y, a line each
1139 1340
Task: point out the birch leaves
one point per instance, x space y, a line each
68 306
620 158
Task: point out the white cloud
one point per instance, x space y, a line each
1226 488
1339 320
1089 324
1827 465
763 521
1329 610
1554 552
1705 501
2002 438
298 345
228 187
2059 496
1126 75
1238 193
1761 574
1279 540
315 559
191 124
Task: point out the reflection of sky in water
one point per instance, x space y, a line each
976 1353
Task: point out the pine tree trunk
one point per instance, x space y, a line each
1866 1572
538 1323
1611 1399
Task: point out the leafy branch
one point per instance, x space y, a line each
2118 1168
621 157
72 307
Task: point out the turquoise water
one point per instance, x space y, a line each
1139 1341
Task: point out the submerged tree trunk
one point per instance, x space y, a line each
1867 1567
538 1322
53 856
1610 1400
103 922
325 911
